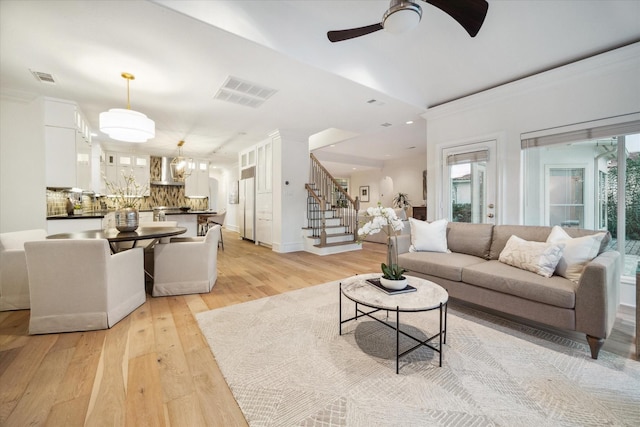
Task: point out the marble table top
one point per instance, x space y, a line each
427 296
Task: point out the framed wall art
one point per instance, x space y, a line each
364 193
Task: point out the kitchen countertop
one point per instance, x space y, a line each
101 214
84 215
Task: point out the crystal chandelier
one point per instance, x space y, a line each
125 124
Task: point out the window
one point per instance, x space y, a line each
581 168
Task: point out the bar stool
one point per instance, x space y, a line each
218 219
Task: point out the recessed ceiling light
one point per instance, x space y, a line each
411 148
409 122
332 145
386 124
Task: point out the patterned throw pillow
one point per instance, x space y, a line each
577 252
538 257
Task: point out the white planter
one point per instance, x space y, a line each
394 284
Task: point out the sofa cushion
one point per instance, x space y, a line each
538 257
502 233
577 252
429 237
444 265
555 290
470 239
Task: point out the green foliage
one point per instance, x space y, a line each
392 272
461 212
632 200
401 200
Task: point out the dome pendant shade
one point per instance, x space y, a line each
127 125
402 16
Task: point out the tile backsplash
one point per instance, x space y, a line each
160 195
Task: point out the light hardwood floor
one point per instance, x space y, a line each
154 367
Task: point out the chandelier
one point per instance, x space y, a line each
181 167
125 124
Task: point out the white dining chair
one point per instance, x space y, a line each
78 285
14 281
187 265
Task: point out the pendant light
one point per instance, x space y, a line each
181 167
125 124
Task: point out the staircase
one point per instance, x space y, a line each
332 215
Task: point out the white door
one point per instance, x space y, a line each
469 180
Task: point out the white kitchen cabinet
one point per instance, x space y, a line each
264 167
141 168
197 184
67 145
189 221
55 226
60 157
59 113
264 218
83 163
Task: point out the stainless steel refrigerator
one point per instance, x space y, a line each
247 206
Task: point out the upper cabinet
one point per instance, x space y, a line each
264 167
118 165
67 145
197 184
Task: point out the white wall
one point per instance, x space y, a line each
23 203
406 174
596 88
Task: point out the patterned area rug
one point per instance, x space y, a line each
287 365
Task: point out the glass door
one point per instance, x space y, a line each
469 177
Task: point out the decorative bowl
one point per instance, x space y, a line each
394 284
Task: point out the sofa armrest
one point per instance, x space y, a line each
404 241
598 295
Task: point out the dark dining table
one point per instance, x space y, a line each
114 236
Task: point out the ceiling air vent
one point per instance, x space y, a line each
243 92
43 77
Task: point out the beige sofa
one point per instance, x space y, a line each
471 272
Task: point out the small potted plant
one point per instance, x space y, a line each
385 219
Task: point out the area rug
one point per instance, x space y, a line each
287 365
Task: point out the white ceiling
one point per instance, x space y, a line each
181 52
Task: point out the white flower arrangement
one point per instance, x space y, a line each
127 193
385 219
382 219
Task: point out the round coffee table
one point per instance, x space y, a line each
427 296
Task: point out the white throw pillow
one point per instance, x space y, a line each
577 252
538 257
428 236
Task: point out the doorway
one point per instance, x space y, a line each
469 178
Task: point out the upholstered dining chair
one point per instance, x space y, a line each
217 220
187 265
78 285
14 281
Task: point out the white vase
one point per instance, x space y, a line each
394 284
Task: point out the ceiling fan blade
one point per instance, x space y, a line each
468 13
340 35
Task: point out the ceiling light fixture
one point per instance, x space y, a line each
401 17
125 124
181 167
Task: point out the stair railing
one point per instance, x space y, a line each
327 188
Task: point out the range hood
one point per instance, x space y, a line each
161 172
